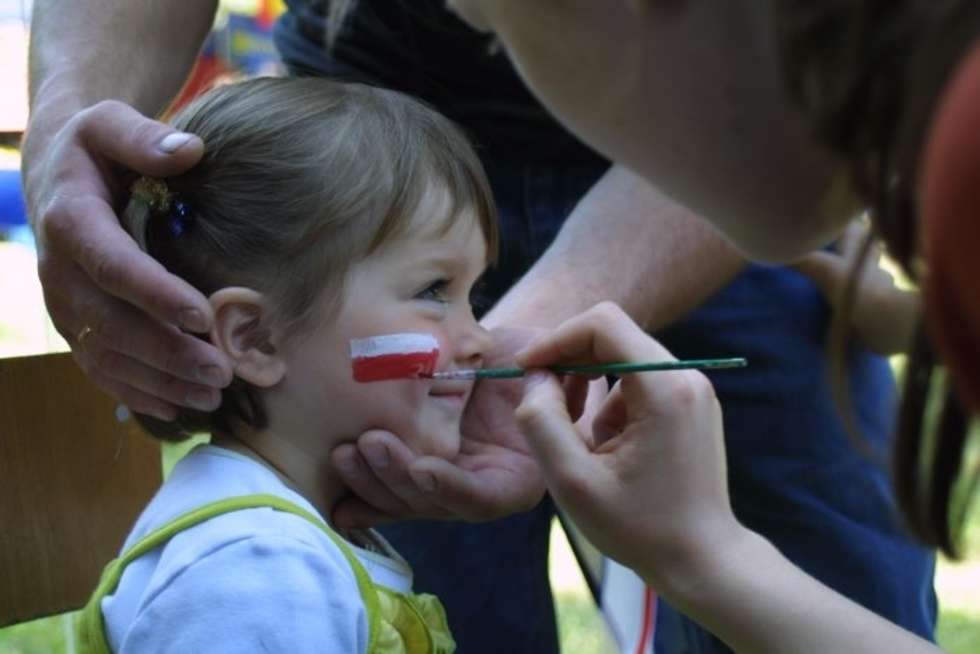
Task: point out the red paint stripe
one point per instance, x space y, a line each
404 365
649 610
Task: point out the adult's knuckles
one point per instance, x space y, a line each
608 312
687 391
534 413
61 219
101 113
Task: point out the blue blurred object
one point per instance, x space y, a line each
12 211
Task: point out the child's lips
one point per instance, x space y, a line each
451 389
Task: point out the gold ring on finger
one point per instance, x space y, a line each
84 333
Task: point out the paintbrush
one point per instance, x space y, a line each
414 356
620 368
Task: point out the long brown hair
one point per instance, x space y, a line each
301 178
869 74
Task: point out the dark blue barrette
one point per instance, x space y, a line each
180 218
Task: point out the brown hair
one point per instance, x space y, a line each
869 73
300 179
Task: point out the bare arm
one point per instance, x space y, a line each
98 68
83 52
628 243
651 491
754 599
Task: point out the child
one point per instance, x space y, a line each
321 213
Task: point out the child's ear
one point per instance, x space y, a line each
241 330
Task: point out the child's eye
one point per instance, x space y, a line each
435 291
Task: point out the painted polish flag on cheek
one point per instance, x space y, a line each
394 356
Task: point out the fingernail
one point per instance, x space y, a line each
211 375
173 142
427 482
378 456
202 400
193 320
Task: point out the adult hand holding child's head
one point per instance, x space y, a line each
649 481
494 475
120 311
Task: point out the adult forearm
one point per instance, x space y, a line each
628 243
137 52
754 599
86 51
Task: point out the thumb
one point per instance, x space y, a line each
123 135
544 420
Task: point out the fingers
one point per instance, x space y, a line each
77 220
602 334
136 400
86 232
127 346
106 363
95 277
480 488
359 476
544 420
376 469
121 134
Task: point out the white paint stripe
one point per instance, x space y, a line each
375 346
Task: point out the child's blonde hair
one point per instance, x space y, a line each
301 178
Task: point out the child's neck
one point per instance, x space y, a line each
308 475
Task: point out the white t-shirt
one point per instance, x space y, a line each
251 580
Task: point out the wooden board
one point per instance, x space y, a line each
74 480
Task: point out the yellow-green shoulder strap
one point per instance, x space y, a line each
90 629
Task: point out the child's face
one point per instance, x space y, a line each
419 282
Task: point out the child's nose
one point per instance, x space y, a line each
471 345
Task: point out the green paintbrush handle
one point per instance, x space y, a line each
598 369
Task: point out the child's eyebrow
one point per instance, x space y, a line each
443 260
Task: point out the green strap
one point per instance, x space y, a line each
91 629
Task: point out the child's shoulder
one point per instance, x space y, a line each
212 476
240 589
255 570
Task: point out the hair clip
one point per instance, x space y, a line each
180 218
153 193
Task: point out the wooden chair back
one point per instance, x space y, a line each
74 479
